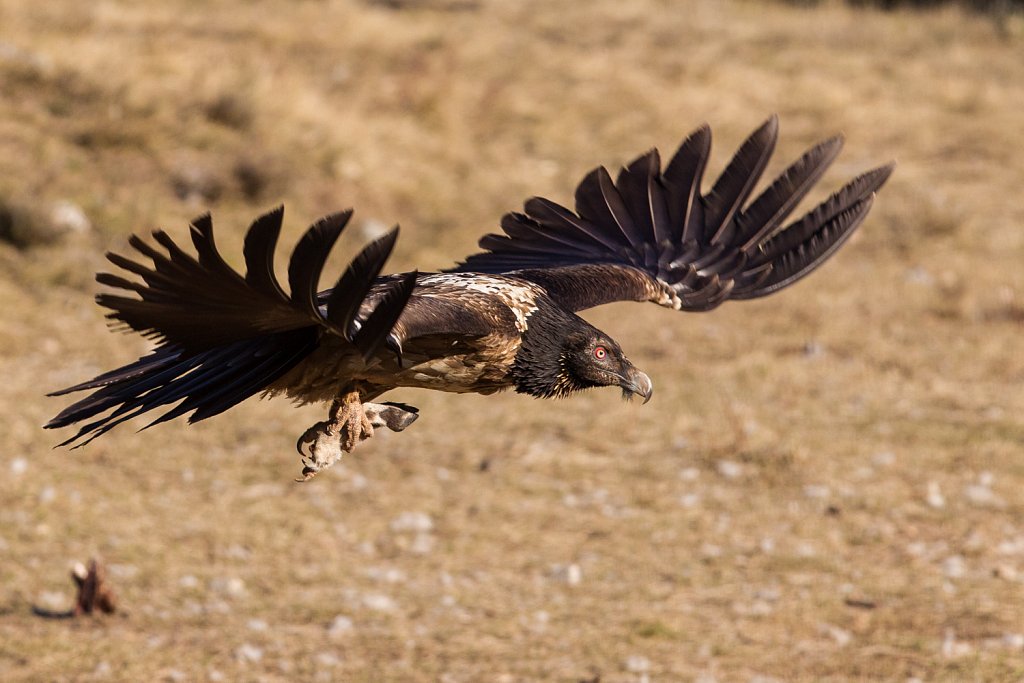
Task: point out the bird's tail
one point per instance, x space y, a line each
206 382
223 337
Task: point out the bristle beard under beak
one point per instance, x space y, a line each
636 383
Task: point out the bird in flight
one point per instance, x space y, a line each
504 318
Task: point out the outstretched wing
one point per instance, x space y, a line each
223 336
200 302
652 236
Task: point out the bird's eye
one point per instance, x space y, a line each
600 352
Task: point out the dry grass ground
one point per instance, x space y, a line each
826 486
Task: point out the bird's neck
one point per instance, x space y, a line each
540 369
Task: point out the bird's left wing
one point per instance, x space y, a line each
651 235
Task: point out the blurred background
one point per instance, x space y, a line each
827 484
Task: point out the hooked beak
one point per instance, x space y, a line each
636 382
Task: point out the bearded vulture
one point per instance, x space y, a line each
503 318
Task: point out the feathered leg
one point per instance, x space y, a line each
350 421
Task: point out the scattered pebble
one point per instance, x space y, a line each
188 581
817 491
248 653
689 500
710 550
411 522
953 648
954 567
729 469
637 664
689 474
570 573
233 586
1013 546
813 349
934 496
981 495
386 574
19 466
422 544
340 626
328 659
256 625
379 602
840 635
883 458
68 217
1014 641
1005 571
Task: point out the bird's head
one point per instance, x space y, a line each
562 354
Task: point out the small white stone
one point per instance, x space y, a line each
817 491
1014 641
883 458
954 567
982 496
340 626
710 550
573 574
411 522
256 625
637 664
422 544
386 574
47 495
934 496
188 581
379 602
248 653
233 586
805 549
1006 572
953 648
689 474
328 659
729 469
689 500
68 217
841 636
19 466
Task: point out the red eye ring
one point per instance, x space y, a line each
600 352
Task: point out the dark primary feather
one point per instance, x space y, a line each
224 337
657 238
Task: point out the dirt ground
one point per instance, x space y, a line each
827 484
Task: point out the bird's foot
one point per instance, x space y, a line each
351 422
